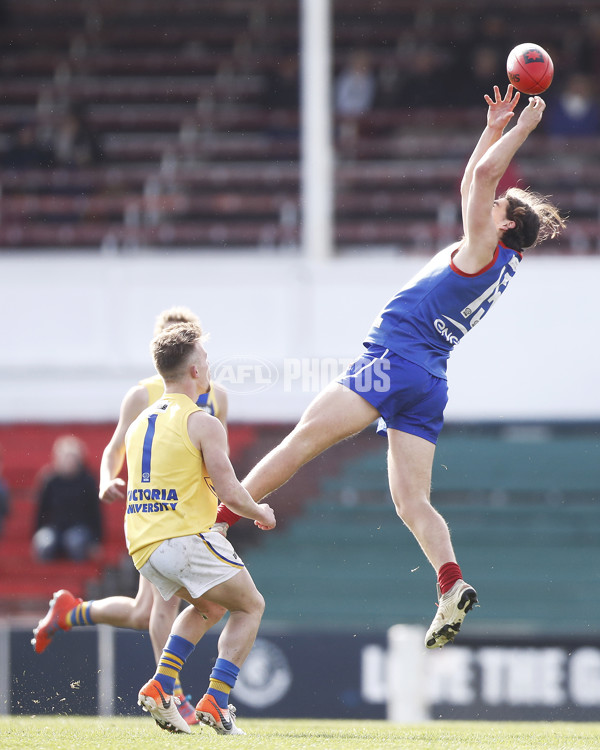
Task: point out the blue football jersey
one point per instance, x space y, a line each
425 320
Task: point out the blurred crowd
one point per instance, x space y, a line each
63 140
456 69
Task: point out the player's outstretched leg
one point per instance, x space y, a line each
452 609
61 604
222 720
162 707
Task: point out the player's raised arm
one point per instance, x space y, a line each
486 220
500 113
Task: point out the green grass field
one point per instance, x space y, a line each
93 733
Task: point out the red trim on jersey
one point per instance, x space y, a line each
506 247
478 273
485 268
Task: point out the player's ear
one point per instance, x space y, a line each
507 224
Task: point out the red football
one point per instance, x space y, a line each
530 68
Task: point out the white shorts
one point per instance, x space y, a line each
197 563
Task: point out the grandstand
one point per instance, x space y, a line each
200 143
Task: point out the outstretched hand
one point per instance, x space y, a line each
532 114
501 110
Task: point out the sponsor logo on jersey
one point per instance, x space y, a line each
445 332
151 501
475 310
150 507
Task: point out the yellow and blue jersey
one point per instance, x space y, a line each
169 491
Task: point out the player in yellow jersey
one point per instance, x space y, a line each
178 469
148 610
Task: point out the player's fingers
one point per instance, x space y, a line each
264 527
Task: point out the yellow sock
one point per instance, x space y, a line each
219 691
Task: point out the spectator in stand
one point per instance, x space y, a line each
68 521
75 143
484 66
355 89
575 111
282 98
27 151
4 494
426 83
498 32
584 43
282 88
355 86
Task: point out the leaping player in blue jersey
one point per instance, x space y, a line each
401 377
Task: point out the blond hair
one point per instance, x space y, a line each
172 347
175 315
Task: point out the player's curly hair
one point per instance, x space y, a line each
172 347
536 219
174 315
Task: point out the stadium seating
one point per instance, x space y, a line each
474 467
524 516
26 585
181 103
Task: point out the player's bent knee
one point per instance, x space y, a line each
259 604
255 606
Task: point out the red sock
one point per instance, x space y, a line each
224 515
448 575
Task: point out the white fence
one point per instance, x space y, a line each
77 327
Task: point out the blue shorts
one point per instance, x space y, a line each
408 397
